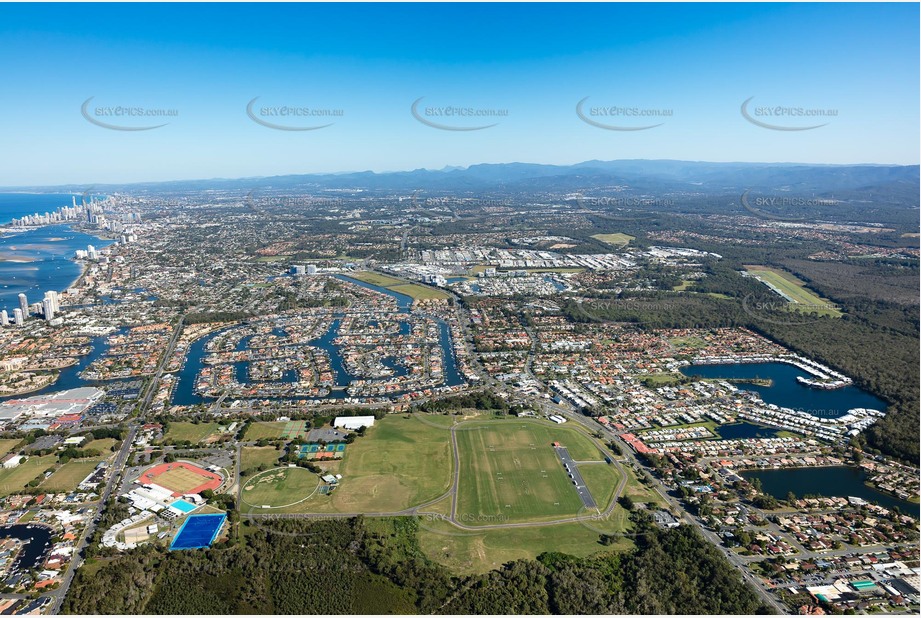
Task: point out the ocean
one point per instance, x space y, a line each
17 205
40 259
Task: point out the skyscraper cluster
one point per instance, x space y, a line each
49 307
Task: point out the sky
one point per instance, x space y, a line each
853 68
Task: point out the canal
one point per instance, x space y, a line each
184 393
786 392
833 481
69 377
37 542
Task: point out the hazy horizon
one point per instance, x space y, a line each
447 168
120 94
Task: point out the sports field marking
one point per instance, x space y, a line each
512 481
181 478
280 481
617 239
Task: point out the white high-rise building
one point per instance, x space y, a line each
17 316
48 309
23 305
55 300
4 318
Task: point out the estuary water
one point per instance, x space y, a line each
40 259
786 392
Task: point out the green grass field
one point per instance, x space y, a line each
376 279
511 473
616 240
254 456
13 480
265 431
692 342
419 292
400 462
276 488
180 431
416 291
466 552
655 380
7 446
800 297
601 479
67 477
639 492
103 445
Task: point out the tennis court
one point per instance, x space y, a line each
322 451
198 531
294 430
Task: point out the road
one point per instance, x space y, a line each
115 471
120 459
565 410
733 558
419 510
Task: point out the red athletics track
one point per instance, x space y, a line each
214 480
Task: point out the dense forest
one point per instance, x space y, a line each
359 566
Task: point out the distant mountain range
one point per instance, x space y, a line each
896 183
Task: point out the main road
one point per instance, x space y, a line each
115 471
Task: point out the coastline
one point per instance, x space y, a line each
60 286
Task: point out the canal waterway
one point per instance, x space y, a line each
786 392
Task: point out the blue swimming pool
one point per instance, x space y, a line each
184 506
198 531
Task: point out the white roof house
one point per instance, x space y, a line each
11 461
353 422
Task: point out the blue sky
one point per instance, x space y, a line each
371 62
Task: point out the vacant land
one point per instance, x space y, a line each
617 239
692 342
794 291
191 432
401 462
265 431
7 446
103 445
640 492
414 290
255 456
277 488
67 477
13 480
511 473
376 279
418 292
560 269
